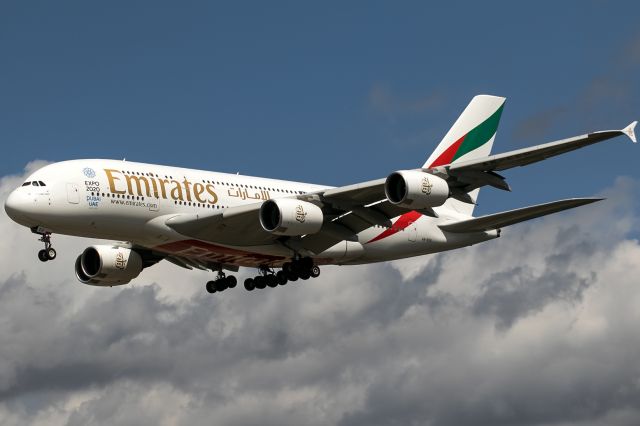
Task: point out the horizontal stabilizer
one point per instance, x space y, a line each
511 217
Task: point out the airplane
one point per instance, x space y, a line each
219 222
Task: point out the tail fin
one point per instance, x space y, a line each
472 134
470 137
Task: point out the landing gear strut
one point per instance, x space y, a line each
48 253
221 283
302 268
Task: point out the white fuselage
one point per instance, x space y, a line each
127 201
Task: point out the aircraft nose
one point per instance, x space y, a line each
16 205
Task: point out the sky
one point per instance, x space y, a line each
536 328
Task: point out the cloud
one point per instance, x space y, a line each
537 327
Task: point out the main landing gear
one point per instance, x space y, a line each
48 253
302 268
221 283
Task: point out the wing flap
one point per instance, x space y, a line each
511 217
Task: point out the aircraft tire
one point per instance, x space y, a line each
305 275
272 281
260 282
211 287
249 284
315 272
292 276
42 255
221 284
51 253
281 277
231 281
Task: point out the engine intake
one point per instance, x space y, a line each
291 217
415 189
108 265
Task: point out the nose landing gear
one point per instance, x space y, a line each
48 253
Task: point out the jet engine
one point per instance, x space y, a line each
105 265
414 189
288 216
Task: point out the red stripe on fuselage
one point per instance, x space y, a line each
402 223
206 251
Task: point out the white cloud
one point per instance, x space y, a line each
537 327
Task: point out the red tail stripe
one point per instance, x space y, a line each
447 156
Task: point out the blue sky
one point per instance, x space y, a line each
329 93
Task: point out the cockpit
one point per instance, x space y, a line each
34 183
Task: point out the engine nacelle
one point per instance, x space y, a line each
287 216
414 189
108 265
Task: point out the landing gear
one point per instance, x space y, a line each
300 268
48 253
221 283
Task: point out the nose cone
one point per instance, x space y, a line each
16 206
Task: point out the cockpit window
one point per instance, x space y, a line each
41 183
34 183
26 184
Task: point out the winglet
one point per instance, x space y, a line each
629 131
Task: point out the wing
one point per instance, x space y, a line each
466 176
499 220
348 210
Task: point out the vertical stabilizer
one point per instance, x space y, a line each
470 137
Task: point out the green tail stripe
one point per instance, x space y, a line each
480 134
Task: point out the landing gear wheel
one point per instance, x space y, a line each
51 253
222 284
272 281
260 282
42 255
249 284
292 276
281 277
231 281
211 287
305 275
315 272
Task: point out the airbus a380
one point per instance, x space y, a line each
220 222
